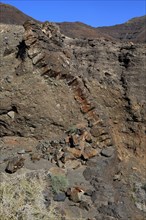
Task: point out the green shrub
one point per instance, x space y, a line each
72 130
59 183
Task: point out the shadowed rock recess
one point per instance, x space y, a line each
72 126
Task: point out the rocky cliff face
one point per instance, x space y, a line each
77 104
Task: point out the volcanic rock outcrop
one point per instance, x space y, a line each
78 104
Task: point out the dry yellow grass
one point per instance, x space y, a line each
22 198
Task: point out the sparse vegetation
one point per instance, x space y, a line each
59 183
23 199
72 130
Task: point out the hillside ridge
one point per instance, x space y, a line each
132 30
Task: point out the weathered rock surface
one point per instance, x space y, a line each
76 105
14 164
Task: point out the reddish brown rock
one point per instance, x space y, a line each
67 156
75 139
75 152
76 194
89 152
87 137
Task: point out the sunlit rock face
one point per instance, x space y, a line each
79 104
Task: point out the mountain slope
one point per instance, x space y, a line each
11 15
133 30
81 30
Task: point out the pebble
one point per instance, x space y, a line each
14 164
117 177
21 151
60 164
76 194
11 114
59 197
9 79
35 157
108 151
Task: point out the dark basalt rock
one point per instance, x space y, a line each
108 151
59 197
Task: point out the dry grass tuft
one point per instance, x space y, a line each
22 199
